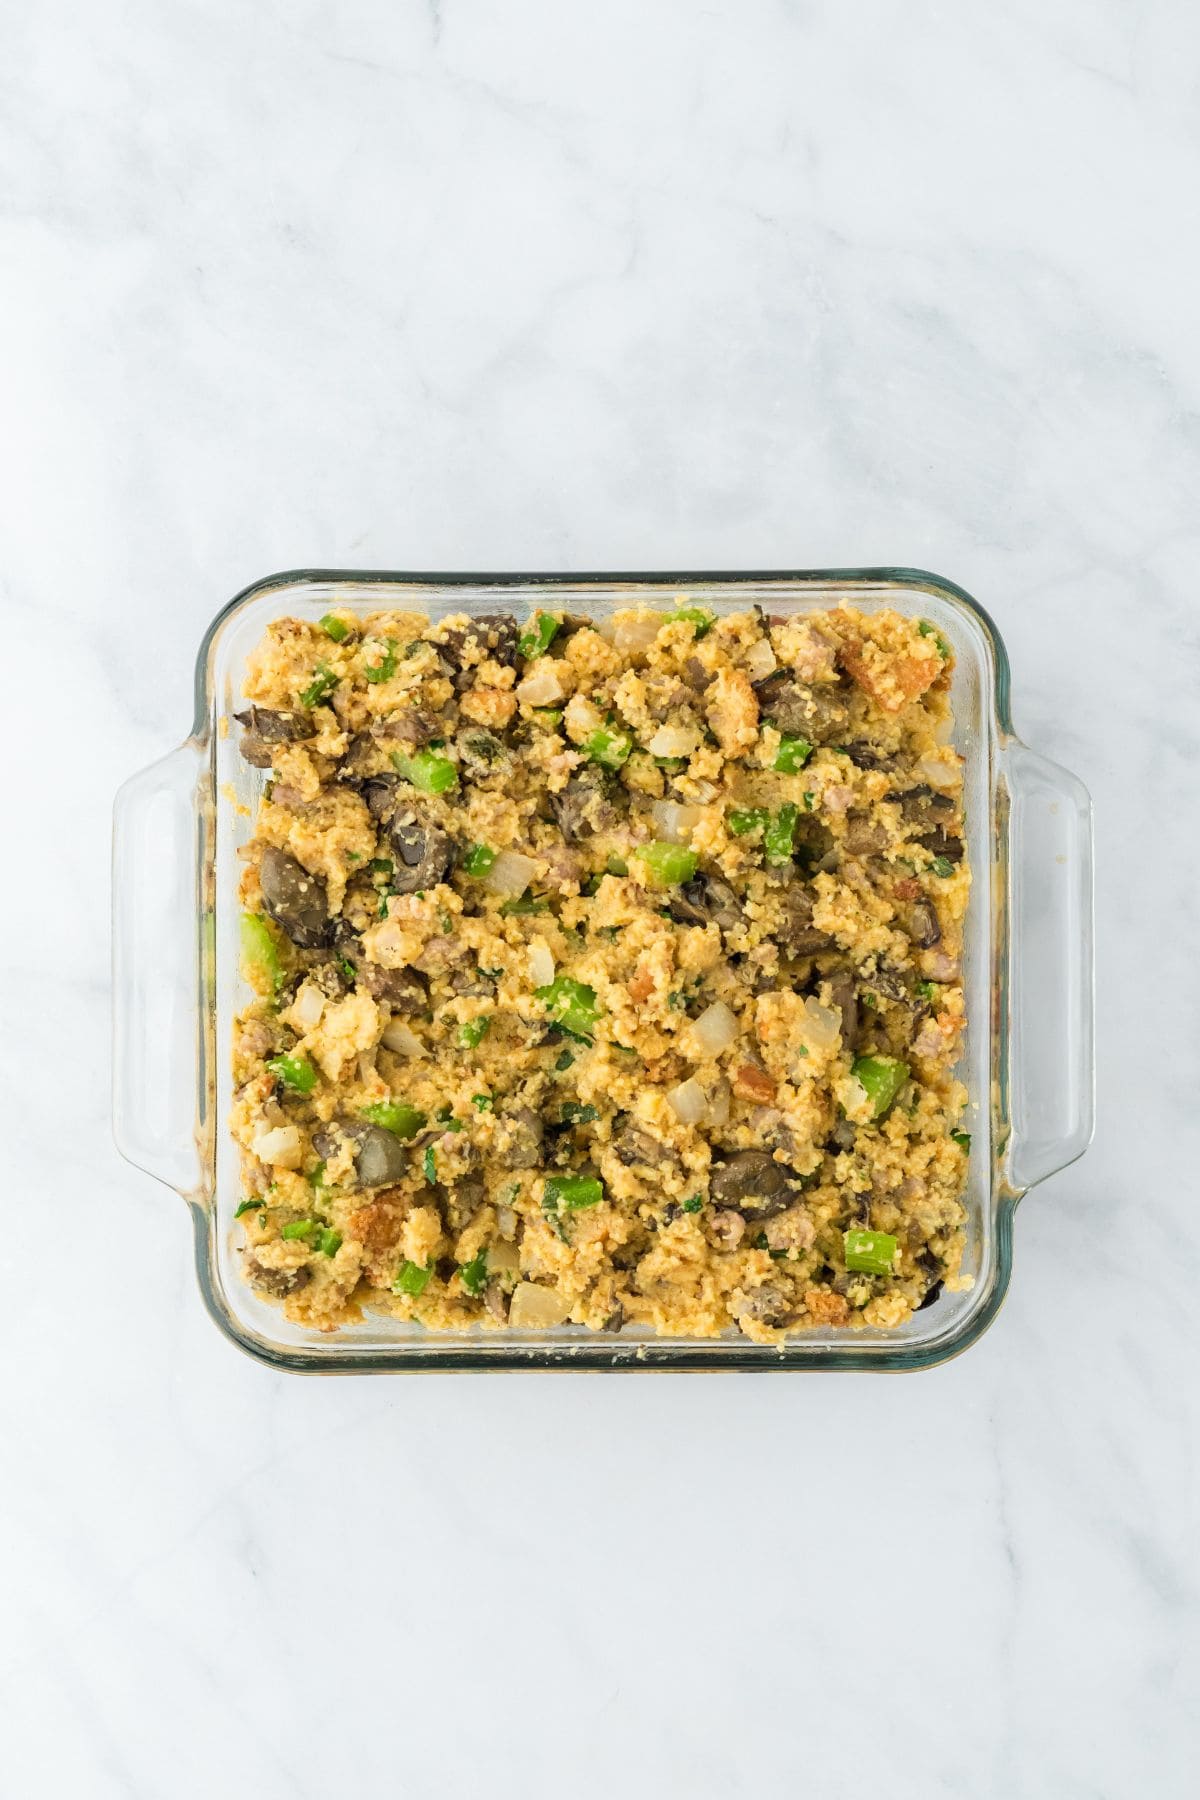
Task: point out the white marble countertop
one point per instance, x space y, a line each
460 285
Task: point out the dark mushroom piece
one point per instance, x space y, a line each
932 1294
863 835
424 853
796 933
525 1133
842 1137
481 754
460 1201
923 927
638 1149
844 995
411 727
295 899
380 1158
919 805
766 1305
276 727
942 843
814 713
586 804
864 757
493 635
405 990
752 1183
706 899
276 1282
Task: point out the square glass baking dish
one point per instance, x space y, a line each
1028 1051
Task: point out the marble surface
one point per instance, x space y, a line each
452 284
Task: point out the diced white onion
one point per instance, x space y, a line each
582 718
937 774
535 1308
673 823
637 633
503 1259
398 1037
543 684
688 1102
510 874
306 1009
705 791
279 1147
822 1026
715 1029
674 740
760 660
541 963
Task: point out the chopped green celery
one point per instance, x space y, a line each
474 1274
942 866
262 962
743 820
295 1072
572 1192
429 1164
248 1206
669 864
779 836
962 1139
572 1006
474 1031
395 1116
479 859
881 1078
692 615
483 1102
927 630
869 1252
320 687
329 1242
411 1279
537 636
301 1228
334 628
611 748
615 865
384 670
792 754
693 1203
428 772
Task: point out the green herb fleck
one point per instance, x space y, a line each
474 1274
320 687
248 1206
412 1279
693 1203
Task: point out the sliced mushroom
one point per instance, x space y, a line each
751 1182
844 995
411 727
295 899
863 835
637 1148
815 713
842 1137
796 933
923 927
864 757
424 853
765 1305
706 899
493 635
588 803
276 727
496 1300
942 843
481 754
461 1201
920 805
380 1158
524 1132
276 1282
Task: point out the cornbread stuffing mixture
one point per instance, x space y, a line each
603 973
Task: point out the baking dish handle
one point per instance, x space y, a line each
1051 1073
156 971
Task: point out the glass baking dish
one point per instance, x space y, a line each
1028 1051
